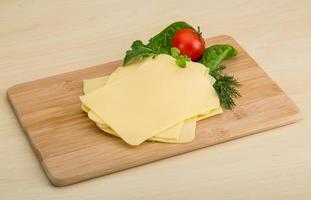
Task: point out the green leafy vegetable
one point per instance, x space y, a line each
181 60
226 87
159 44
138 51
162 42
215 54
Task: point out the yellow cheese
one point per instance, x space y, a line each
93 84
209 113
122 72
179 133
156 103
169 133
107 129
187 132
85 108
125 71
172 133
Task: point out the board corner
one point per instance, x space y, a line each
54 178
11 90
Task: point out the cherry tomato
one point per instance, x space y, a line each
189 43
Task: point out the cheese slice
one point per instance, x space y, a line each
93 84
172 133
143 98
121 72
182 132
125 71
187 133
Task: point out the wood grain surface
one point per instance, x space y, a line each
43 38
72 149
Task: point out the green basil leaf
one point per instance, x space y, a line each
162 42
159 44
137 52
215 54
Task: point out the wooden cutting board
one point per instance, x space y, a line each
72 149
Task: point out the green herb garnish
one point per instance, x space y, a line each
181 60
159 44
225 86
215 54
162 42
138 51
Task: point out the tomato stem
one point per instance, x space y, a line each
199 31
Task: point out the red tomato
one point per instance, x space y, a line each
189 43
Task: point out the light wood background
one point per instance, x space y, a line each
43 38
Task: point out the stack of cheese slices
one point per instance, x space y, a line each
152 100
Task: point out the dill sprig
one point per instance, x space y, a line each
225 86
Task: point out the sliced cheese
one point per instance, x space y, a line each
209 113
187 133
93 84
121 72
157 103
180 133
172 133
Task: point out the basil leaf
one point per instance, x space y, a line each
215 54
137 52
162 42
159 44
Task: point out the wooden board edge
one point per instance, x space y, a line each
24 129
53 178
60 181
13 88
